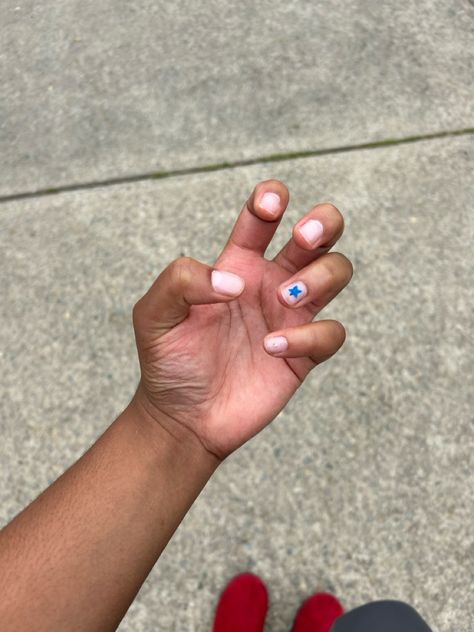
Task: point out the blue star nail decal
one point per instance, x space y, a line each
294 291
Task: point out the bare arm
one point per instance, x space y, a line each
76 557
222 349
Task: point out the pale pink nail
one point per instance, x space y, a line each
270 202
227 283
275 344
312 231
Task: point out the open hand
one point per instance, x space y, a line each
220 354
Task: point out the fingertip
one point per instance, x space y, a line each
270 203
259 217
227 283
340 333
274 344
269 200
322 226
309 233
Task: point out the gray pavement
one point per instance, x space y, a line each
101 90
363 485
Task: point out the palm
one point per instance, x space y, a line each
214 364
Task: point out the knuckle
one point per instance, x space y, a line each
339 266
137 313
330 261
340 333
331 208
339 219
348 268
181 271
336 214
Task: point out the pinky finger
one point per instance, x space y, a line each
317 341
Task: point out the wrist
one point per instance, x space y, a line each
164 436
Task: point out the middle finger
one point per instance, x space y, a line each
313 235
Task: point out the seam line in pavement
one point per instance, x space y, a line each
280 157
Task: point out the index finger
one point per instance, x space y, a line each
259 217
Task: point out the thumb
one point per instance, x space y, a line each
183 283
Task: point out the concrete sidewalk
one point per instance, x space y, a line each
102 90
363 485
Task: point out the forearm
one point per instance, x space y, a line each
76 557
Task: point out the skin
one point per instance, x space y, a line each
76 557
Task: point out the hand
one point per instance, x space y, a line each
220 354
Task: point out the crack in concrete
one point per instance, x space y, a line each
280 157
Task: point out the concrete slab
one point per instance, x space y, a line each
99 90
363 485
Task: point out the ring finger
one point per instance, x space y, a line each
317 284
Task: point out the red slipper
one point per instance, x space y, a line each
317 614
242 606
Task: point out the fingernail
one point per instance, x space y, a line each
312 231
275 344
270 202
294 292
227 283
